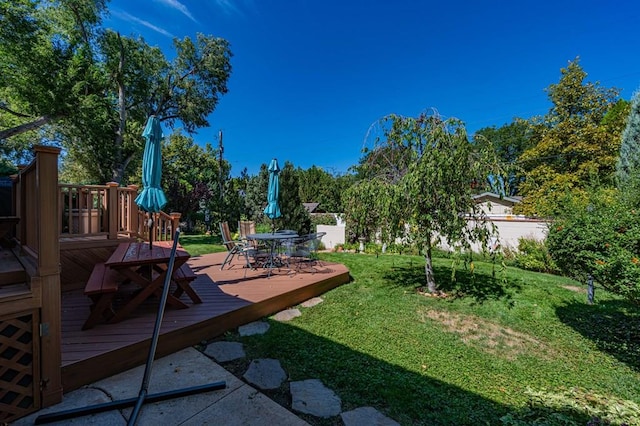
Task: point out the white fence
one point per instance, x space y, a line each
510 230
335 235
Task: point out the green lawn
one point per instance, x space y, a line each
522 345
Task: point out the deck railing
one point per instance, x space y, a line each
35 202
109 211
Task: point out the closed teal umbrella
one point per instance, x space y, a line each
152 198
272 211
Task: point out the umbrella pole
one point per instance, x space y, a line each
150 223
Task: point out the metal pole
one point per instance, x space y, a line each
590 289
142 396
156 333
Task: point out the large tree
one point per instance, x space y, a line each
319 186
48 70
99 87
628 166
426 168
572 148
294 215
509 141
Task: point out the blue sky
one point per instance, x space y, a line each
310 77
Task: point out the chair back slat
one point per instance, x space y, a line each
246 227
226 236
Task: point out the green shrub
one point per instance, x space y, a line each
323 219
602 240
533 255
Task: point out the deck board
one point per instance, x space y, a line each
229 299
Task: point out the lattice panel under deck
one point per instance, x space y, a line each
18 383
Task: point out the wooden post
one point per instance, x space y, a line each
113 210
49 272
132 210
175 223
16 202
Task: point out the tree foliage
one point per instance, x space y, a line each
628 166
572 146
99 87
320 186
294 215
186 171
427 190
510 142
49 70
600 237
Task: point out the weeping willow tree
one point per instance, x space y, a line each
417 182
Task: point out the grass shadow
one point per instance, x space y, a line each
613 325
477 286
360 379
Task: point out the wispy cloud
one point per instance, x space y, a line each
130 18
175 4
234 7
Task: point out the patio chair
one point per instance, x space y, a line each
303 251
234 247
246 227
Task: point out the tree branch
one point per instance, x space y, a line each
4 107
32 125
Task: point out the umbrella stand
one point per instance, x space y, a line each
142 395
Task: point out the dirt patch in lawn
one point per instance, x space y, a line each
575 288
487 336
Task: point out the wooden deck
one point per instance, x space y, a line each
229 300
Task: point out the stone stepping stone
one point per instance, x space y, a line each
256 327
287 315
366 416
312 302
265 373
312 397
225 351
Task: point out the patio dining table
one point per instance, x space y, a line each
273 241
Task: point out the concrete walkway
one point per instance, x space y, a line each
240 403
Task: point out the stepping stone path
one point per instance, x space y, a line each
308 396
265 373
256 327
312 397
287 315
312 302
225 351
366 416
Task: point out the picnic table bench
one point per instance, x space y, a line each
136 263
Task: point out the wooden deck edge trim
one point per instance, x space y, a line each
83 373
89 244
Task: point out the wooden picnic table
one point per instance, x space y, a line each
136 262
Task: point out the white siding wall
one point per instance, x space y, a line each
511 230
335 235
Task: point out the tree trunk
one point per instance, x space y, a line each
32 125
428 270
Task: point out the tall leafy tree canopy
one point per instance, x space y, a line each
509 141
571 145
319 186
628 166
48 69
96 88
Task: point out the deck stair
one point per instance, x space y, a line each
12 272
